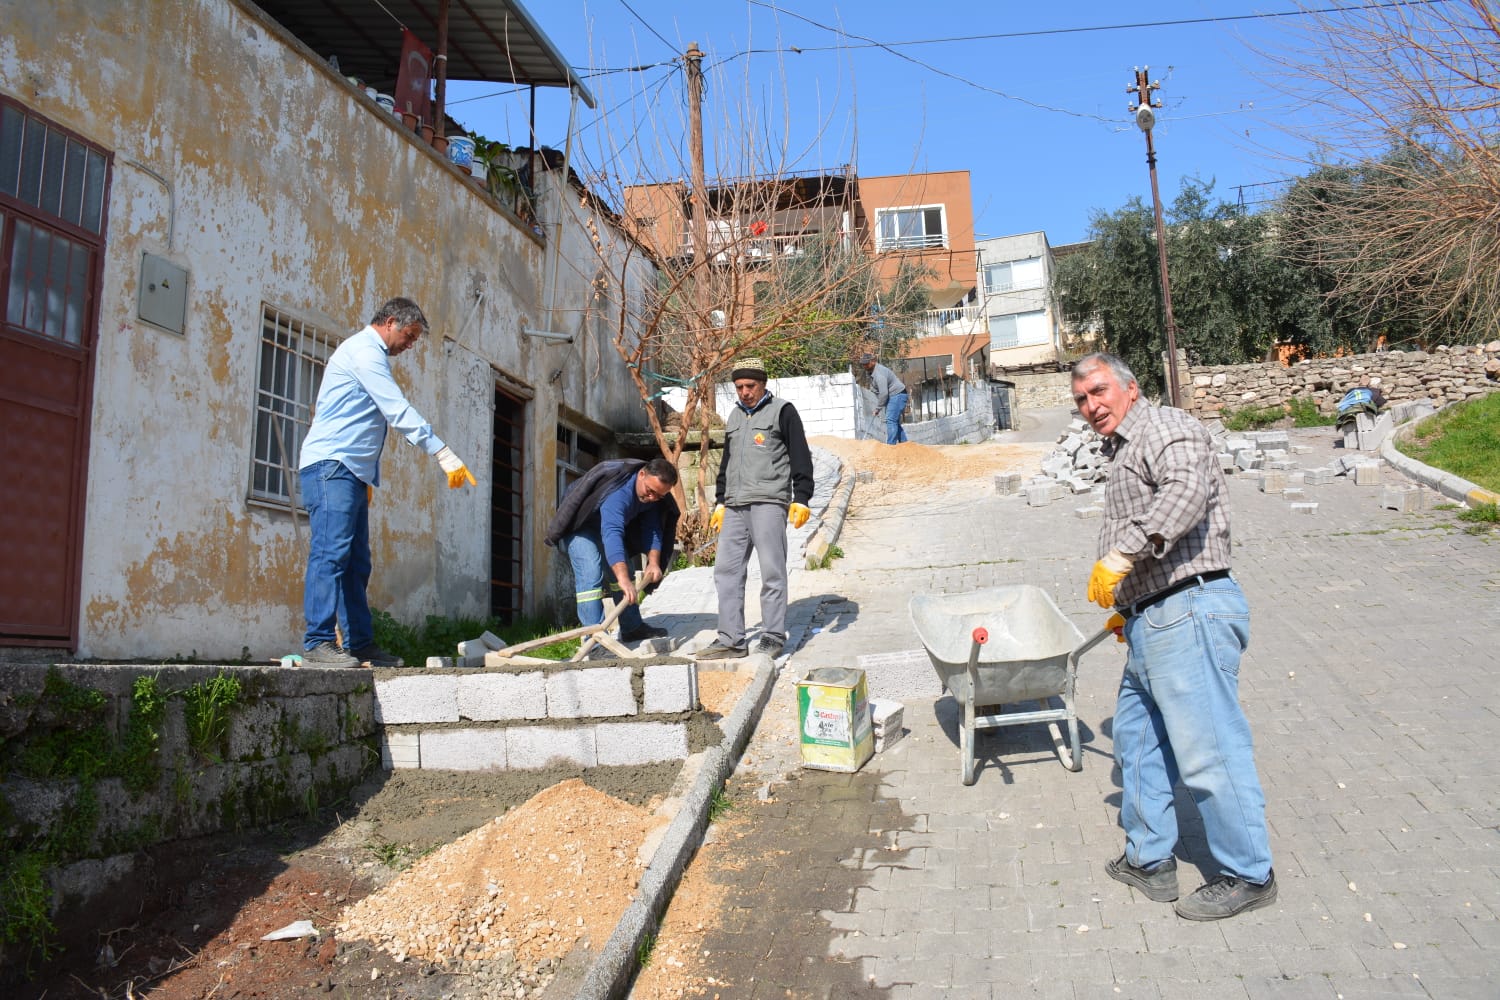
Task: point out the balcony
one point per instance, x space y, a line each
957 321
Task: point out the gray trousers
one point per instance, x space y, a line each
762 527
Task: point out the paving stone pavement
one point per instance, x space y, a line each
1370 688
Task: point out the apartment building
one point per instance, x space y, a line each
1016 301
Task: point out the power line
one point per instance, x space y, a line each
647 23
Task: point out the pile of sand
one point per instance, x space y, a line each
905 465
558 868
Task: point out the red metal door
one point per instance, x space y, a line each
52 196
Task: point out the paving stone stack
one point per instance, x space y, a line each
1074 467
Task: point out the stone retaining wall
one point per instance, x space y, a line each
1446 375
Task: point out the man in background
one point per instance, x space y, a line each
890 396
340 469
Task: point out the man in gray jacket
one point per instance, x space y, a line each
765 480
890 396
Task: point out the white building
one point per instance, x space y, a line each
1015 289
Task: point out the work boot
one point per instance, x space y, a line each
373 656
718 651
1225 896
327 654
1159 883
643 632
770 645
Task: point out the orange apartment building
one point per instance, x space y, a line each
926 219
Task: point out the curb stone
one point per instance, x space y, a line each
610 975
1446 483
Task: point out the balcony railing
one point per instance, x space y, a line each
752 248
939 322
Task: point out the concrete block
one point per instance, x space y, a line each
471 653
492 697
1247 459
1304 508
255 728
1008 483
1272 481
864 476
886 714
1226 461
886 740
1406 499
440 663
1238 442
1301 449
492 641
1321 476
419 698
463 750
1270 440
399 750
590 692
1281 464
531 747
1084 513
1293 494
1272 455
1370 438
1367 474
640 742
1351 439
671 687
1077 484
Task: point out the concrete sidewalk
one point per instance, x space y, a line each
1371 691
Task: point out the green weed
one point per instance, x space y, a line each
439 636
834 552
1305 413
719 805
644 949
1251 417
1484 513
207 706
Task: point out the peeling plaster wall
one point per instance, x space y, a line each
284 186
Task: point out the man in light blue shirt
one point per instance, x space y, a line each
340 468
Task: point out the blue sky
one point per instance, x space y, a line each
1039 120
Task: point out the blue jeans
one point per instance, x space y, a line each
894 407
338 557
1178 717
591 576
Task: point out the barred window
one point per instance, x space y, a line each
293 355
577 453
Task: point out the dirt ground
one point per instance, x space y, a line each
898 468
439 884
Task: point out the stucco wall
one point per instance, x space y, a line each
285 186
1446 375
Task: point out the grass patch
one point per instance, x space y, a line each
1462 439
644 949
1305 413
834 552
207 706
719 805
440 636
1251 418
1481 515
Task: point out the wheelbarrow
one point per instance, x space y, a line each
1004 646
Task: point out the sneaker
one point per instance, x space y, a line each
1159 883
327 654
643 632
718 651
1225 896
373 656
770 645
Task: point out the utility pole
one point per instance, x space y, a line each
1145 118
698 197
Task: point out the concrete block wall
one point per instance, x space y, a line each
827 404
525 717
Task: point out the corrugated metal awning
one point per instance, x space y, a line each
491 40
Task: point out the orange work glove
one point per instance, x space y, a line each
458 473
1107 574
1116 624
369 495
716 519
797 514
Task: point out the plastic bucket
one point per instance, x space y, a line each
461 150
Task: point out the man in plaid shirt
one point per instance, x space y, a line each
1165 569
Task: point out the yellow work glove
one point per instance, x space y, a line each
1107 574
458 473
716 519
797 514
1116 624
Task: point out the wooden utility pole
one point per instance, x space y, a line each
440 114
1145 118
698 197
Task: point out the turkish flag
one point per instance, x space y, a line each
414 81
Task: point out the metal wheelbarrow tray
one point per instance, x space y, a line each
1002 646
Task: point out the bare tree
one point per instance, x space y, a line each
1405 219
778 268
